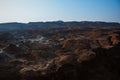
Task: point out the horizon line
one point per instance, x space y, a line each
60 21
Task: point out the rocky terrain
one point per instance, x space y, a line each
66 53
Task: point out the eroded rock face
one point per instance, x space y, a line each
81 54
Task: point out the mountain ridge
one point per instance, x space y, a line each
55 24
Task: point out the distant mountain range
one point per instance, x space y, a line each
55 24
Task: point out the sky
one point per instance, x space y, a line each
53 10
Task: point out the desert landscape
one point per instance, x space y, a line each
60 51
59 39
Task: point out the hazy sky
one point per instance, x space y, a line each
66 10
